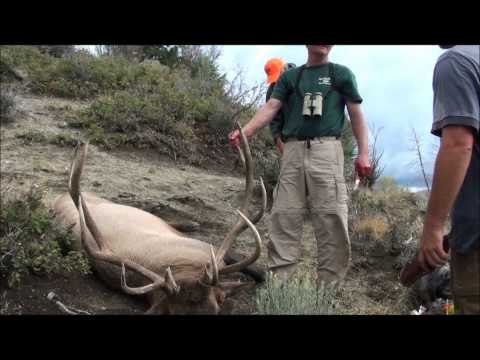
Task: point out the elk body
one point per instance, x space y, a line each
141 254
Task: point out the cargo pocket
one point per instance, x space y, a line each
341 188
323 196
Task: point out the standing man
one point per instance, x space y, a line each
313 98
456 178
274 68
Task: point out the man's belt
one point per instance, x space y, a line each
305 138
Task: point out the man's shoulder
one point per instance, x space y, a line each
341 68
467 55
468 52
342 71
291 74
447 56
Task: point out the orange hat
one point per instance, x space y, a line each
273 69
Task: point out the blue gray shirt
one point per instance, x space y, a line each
456 101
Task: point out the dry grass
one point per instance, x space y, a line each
375 227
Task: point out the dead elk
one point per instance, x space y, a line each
141 254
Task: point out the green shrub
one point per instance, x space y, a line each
297 296
63 139
34 136
32 241
81 75
27 57
31 136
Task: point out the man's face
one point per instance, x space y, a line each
321 50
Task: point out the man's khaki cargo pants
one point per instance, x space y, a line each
311 179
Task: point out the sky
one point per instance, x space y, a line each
395 82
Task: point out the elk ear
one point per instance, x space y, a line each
231 288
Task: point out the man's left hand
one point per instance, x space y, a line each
431 254
362 166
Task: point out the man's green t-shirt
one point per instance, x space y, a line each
315 79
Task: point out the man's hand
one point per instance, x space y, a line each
362 166
234 138
263 116
280 145
431 254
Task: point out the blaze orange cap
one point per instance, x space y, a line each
273 69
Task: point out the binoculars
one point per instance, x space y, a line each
312 104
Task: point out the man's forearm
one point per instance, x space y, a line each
360 132
451 166
263 117
359 127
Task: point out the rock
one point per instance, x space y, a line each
433 286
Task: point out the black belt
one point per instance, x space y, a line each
303 138
309 138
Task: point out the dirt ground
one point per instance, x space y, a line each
176 192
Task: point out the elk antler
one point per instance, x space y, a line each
250 260
76 169
243 222
211 276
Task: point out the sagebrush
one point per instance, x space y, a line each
300 295
32 241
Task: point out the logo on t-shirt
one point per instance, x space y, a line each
324 81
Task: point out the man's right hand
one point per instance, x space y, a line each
280 145
263 116
234 138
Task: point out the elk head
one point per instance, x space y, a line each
186 286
